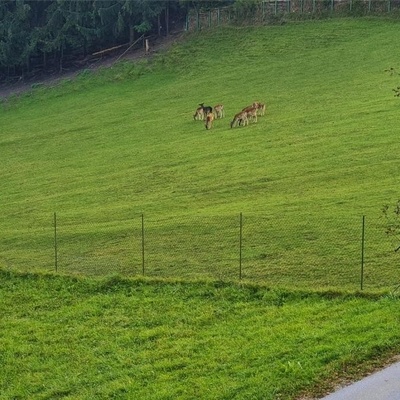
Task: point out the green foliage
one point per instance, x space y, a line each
30 30
15 42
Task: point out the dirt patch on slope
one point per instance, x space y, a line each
104 61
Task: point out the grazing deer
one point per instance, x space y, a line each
219 111
240 119
206 109
209 120
199 114
252 114
260 107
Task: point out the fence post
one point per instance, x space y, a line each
143 244
55 243
240 244
362 252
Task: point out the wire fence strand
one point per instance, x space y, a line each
271 11
295 251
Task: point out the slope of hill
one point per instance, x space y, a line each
104 148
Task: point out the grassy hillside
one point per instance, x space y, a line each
75 338
104 149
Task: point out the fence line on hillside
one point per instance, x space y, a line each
270 249
269 10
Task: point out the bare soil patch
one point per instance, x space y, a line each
51 78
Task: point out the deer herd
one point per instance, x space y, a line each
242 118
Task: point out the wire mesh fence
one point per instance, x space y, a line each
295 251
268 11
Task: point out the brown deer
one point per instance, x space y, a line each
252 114
199 114
240 119
206 109
260 107
219 111
209 120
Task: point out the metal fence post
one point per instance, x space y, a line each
143 244
240 244
362 252
55 243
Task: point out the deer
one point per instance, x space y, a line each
260 107
240 119
209 120
219 111
251 112
199 114
206 109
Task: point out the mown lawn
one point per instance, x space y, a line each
105 148
63 337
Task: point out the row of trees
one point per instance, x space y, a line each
46 33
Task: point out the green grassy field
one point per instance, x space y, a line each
63 337
107 147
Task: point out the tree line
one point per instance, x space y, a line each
45 34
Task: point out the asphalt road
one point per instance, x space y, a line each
381 385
